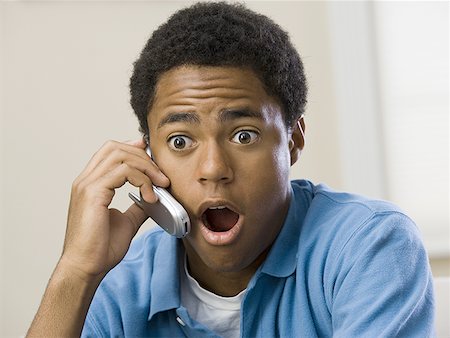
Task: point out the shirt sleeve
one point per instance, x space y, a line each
90 329
382 284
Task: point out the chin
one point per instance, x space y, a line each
230 260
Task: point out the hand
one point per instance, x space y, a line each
97 237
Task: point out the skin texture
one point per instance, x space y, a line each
238 155
234 149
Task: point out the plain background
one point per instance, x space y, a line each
64 72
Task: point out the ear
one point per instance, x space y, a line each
297 141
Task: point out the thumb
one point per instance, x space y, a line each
136 216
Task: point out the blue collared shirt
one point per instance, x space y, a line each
342 266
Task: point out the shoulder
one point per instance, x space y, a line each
139 259
334 212
339 226
122 291
143 247
137 263
326 198
366 265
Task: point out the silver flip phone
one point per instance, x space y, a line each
167 212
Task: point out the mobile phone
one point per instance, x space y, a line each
167 212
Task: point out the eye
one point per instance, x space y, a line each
245 137
179 142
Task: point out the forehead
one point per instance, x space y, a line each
197 77
200 93
191 85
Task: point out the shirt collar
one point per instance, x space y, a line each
282 258
165 283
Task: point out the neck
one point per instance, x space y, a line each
226 284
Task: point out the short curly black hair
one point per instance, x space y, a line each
221 34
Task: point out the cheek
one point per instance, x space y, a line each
271 164
266 178
182 181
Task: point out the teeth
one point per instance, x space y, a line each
218 207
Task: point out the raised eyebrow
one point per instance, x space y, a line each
179 117
234 114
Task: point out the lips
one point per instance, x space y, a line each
221 222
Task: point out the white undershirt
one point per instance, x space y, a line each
219 314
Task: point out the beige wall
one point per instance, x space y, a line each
64 75
440 267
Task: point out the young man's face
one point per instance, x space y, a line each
223 143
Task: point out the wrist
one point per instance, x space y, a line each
66 270
65 303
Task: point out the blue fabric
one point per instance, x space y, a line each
342 266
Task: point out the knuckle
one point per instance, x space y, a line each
148 188
90 192
81 189
110 144
117 153
124 167
77 185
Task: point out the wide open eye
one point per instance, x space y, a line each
180 142
245 137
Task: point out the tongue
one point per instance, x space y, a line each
220 220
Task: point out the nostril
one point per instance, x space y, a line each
221 179
214 165
215 174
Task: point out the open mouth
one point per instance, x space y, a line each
220 218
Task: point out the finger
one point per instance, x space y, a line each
139 143
119 157
122 174
108 148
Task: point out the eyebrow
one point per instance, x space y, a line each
179 117
224 116
234 114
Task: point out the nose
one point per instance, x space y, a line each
214 165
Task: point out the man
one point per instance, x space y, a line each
220 93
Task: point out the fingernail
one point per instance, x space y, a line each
151 198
